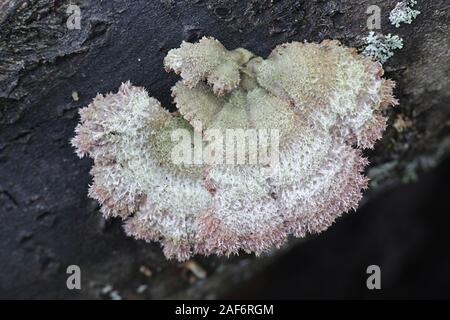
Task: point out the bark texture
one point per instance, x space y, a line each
48 71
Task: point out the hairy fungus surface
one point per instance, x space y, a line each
324 100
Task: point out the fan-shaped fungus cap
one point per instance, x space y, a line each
315 104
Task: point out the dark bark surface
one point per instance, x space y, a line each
48 222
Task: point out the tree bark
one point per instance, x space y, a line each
48 71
